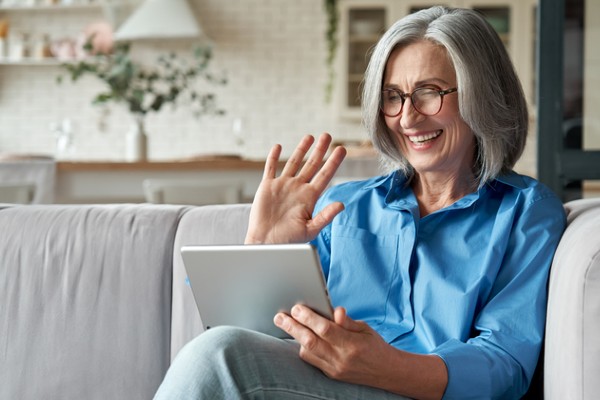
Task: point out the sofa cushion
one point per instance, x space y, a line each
85 300
572 350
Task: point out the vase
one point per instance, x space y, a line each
137 142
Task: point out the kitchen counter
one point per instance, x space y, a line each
122 182
103 181
197 164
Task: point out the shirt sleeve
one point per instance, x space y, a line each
500 359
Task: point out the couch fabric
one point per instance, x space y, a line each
85 296
94 302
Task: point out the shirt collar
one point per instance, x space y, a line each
511 178
400 195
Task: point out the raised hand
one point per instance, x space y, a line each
283 206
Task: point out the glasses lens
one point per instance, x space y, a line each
427 101
391 102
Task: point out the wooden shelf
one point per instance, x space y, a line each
56 7
31 62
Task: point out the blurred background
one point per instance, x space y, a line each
283 68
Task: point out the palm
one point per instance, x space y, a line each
283 206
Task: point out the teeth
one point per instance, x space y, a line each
424 138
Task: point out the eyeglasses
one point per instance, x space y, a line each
427 101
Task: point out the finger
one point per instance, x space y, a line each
323 218
341 318
315 161
321 326
310 344
322 179
295 161
271 162
295 329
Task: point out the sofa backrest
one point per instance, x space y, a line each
85 297
572 349
218 224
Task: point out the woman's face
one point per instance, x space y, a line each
441 143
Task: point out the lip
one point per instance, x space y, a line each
421 139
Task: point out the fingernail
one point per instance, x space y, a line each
295 311
278 320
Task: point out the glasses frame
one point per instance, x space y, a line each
404 96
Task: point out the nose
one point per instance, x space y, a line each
409 117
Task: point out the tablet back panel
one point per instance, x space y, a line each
246 285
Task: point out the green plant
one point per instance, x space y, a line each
145 89
332 43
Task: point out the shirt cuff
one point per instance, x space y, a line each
475 372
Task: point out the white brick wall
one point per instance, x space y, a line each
273 52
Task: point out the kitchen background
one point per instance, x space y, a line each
273 53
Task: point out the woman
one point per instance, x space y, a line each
438 270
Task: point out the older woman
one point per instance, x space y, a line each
437 270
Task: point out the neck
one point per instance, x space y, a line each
436 192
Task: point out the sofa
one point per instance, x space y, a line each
94 302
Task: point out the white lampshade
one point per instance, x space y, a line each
160 19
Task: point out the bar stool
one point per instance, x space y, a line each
17 193
191 192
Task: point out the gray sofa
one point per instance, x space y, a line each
94 303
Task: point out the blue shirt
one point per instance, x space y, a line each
467 282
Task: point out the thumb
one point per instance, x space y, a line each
342 319
324 217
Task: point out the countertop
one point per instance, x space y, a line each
205 163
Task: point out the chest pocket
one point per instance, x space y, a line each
364 274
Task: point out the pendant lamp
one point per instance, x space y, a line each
160 19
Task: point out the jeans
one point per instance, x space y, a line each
231 363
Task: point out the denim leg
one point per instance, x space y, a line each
231 363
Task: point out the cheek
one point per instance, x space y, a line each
462 139
393 128
453 122
390 122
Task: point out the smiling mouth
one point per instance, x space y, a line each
420 139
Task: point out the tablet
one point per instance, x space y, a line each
246 285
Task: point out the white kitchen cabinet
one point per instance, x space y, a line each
362 22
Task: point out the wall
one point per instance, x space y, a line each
591 130
273 52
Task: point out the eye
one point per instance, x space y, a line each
392 96
427 94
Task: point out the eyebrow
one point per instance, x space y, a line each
421 83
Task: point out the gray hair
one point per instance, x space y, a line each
490 96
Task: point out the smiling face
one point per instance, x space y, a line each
440 145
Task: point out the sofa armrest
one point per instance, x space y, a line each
572 349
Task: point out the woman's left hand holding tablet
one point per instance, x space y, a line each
283 205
